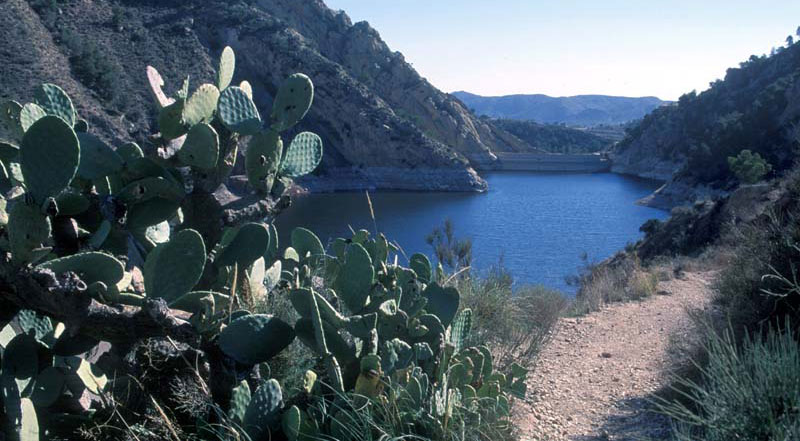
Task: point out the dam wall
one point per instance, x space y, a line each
582 163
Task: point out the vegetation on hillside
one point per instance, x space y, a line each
553 138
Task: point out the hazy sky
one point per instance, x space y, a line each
570 47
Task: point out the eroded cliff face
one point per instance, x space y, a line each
383 125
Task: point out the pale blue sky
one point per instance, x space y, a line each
571 47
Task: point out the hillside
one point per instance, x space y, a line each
580 110
554 138
756 107
376 115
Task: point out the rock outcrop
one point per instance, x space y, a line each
375 113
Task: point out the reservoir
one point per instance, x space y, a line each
539 224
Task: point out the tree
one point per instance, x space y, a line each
789 40
749 167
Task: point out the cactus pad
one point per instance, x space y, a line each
10 118
151 212
150 188
264 410
248 89
442 302
192 301
227 65
55 102
240 399
156 85
98 159
173 268
248 244
303 155
20 357
170 121
200 106
130 151
29 321
29 114
47 387
262 160
91 267
355 278
49 154
422 266
292 101
306 243
28 422
201 148
459 331
255 338
28 231
238 111
71 203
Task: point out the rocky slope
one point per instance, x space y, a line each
383 125
580 110
756 107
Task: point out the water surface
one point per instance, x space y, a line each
539 224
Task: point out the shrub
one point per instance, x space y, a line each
748 392
621 278
749 167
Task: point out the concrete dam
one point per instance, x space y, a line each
542 162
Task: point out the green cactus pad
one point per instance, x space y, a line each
201 105
151 212
238 111
98 159
8 152
170 121
334 342
91 267
249 243
442 302
47 387
55 102
263 413
130 151
303 155
28 231
71 203
81 125
28 423
49 157
396 354
240 399
306 243
192 301
10 118
173 268
20 357
303 304
31 322
201 147
292 102
247 87
422 266
355 278
29 114
460 329
150 188
156 85
255 338
298 426
435 328
262 160
227 65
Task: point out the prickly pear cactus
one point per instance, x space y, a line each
29 232
97 159
263 159
355 278
292 102
201 147
227 65
173 268
201 105
255 338
263 413
303 155
250 241
29 114
91 267
238 111
54 101
49 157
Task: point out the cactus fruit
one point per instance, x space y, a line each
292 102
201 105
28 232
29 114
97 159
173 268
248 244
422 266
263 413
255 338
201 147
54 101
49 157
156 85
303 155
227 65
238 111
262 160
307 244
91 267
442 302
355 278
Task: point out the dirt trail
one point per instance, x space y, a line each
592 380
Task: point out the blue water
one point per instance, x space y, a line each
539 224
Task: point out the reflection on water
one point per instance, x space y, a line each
539 224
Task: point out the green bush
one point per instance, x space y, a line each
748 392
749 167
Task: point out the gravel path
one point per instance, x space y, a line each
592 381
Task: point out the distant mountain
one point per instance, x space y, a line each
554 138
580 110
